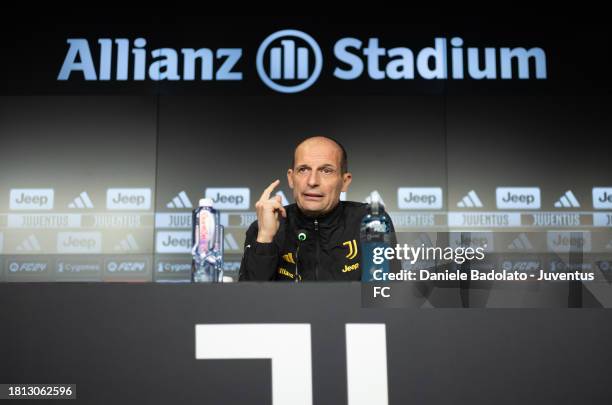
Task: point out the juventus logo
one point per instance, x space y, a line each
352 247
289 347
289 258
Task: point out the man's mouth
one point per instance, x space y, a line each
312 196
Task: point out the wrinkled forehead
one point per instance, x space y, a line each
318 152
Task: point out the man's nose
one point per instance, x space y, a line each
313 178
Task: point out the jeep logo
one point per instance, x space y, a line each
518 198
79 242
602 197
128 198
473 239
173 242
229 198
31 199
563 242
413 198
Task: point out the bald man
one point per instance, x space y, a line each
328 227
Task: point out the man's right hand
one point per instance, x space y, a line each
267 214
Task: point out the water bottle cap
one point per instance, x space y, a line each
206 202
375 206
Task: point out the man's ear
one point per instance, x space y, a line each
290 178
346 181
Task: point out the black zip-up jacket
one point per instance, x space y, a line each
330 252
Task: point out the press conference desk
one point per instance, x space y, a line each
135 343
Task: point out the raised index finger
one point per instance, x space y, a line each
266 193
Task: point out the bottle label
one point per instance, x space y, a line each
206 229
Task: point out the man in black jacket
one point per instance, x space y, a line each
317 238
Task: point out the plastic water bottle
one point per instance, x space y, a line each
207 237
375 232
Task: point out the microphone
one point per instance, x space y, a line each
302 235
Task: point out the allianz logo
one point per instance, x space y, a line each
128 198
290 61
518 198
163 63
229 198
413 198
79 242
602 197
31 199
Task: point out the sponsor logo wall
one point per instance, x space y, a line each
209 144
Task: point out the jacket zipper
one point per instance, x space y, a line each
316 228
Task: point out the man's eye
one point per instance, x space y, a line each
302 170
328 170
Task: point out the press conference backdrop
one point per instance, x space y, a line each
111 131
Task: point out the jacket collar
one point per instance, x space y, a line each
326 221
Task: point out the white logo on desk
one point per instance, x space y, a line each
289 348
